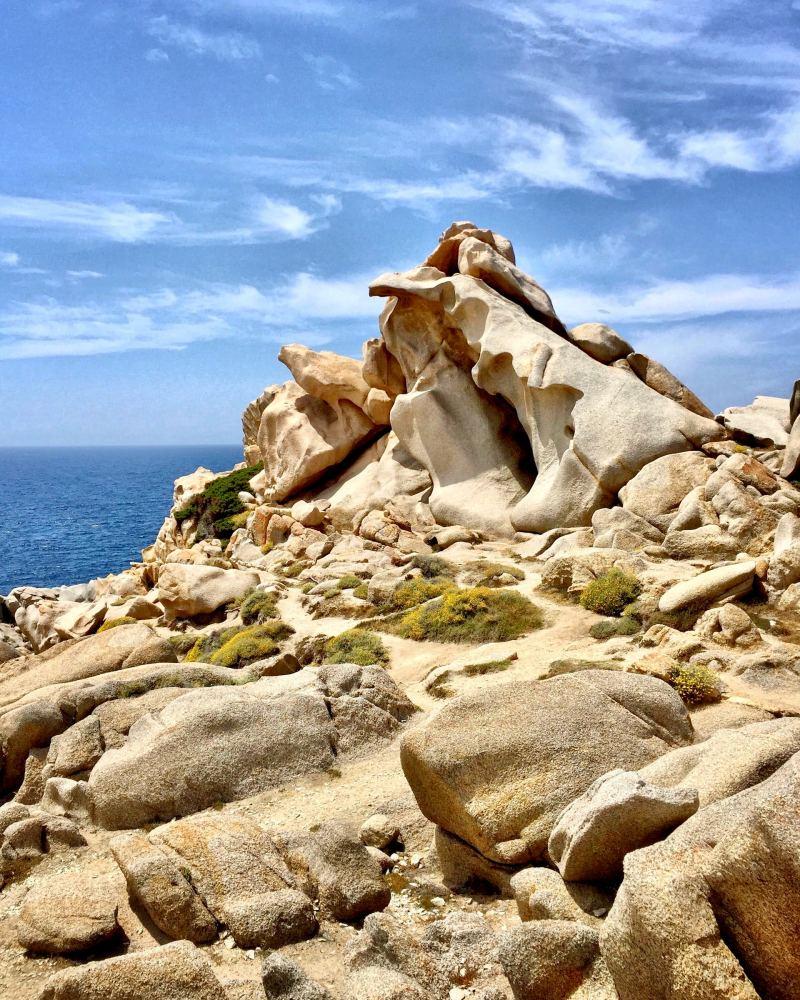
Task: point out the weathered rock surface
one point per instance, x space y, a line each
68 913
491 767
720 584
187 590
712 911
617 814
766 421
177 971
219 744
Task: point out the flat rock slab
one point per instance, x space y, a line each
68 913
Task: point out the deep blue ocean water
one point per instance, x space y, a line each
70 514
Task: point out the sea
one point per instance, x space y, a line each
68 515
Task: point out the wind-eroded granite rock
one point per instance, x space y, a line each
224 743
497 767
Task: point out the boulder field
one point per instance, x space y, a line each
478 679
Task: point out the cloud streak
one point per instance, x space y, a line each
227 47
118 221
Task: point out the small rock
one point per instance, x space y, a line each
379 831
68 913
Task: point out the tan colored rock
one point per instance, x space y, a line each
657 491
77 749
479 260
655 375
555 959
716 585
617 814
600 342
765 422
301 437
186 590
67 913
729 761
378 406
712 911
784 566
575 413
330 377
177 971
728 625
155 881
251 421
790 469
380 369
542 894
137 607
445 257
487 768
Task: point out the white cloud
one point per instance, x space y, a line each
9 259
118 221
303 306
330 73
710 295
229 46
156 55
283 218
78 275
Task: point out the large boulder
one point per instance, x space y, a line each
723 583
657 491
302 437
654 374
223 743
713 910
600 342
68 913
177 971
453 333
251 421
325 375
497 767
765 422
187 590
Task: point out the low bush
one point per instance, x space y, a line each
489 667
476 614
124 620
356 646
361 592
257 606
183 643
696 684
488 574
349 582
293 570
250 644
625 625
611 593
432 566
411 593
215 508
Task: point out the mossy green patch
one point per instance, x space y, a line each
250 644
349 582
432 566
611 593
257 606
476 614
218 504
411 593
356 646
613 627
124 620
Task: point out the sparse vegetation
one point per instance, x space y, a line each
349 582
361 592
488 667
625 625
293 570
411 593
218 504
476 614
183 642
696 684
356 646
237 646
432 566
489 574
611 593
257 606
123 620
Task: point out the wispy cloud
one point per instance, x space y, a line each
330 73
156 56
9 259
303 306
80 275
120 221
228 46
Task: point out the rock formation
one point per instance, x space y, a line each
477 680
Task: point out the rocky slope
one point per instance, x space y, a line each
477 679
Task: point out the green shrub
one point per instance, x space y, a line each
361 592
308 587
620 626
218 504
349 582
611 593
250 644
124 620
432 566
476 614
696 684
183 643
294 569
410 593
356 646
257 606
331 592
489 667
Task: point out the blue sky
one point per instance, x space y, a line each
187 184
